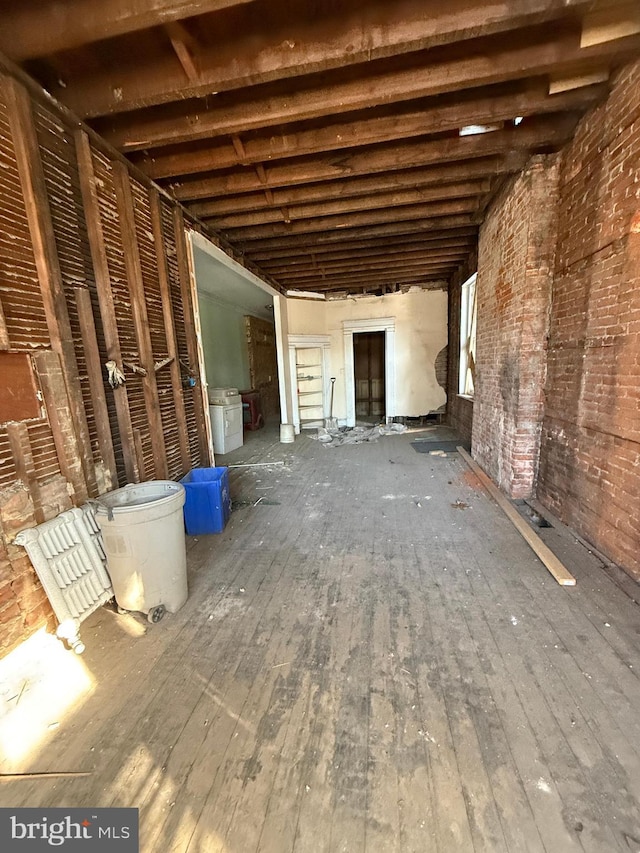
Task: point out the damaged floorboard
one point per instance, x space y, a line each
371 659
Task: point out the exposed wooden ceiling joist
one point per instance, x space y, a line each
265 41
369 232
30 30
358 219
424 77
300 251
373 277
348 146
391 265
348 287
343 206
195 190
538 132
478 109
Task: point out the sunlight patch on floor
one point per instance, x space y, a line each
41 682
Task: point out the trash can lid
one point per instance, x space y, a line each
136 495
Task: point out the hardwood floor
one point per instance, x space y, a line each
371 659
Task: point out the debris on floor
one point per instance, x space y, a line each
421 445
356 435
460 505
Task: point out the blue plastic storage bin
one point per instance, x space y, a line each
208 504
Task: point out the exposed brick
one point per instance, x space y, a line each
9 610
515 263
557 406
590 446
39 615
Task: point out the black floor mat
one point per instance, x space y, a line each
427 446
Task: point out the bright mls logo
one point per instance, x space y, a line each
73 830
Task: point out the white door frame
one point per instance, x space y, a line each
308 342
381 324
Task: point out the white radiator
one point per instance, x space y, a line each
69 559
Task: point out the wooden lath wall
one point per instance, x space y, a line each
93 267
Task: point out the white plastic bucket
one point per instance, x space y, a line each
287 434
143 533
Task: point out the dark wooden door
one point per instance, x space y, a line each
368 357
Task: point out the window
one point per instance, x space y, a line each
468 314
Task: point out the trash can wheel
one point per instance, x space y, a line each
156 613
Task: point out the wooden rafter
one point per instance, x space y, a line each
343 206
195 190
299 251
543 131
475 106
389 249
425 77
381 261
368 232
334 146
268 46
354 220
184 46
26 32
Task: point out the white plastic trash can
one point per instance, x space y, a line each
143 533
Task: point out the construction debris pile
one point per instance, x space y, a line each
356 435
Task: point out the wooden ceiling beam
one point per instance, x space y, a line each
391 277
287 279
393 283
200 190
608 20
426 78
28 30
342 206
299 252
359 162
315 262
436 282
184 46
352 220
369 232
264 47
473 106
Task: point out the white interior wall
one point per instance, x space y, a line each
281 318
224 343
227 292
421 332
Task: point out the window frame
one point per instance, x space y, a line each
468 317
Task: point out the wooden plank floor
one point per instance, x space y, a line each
371 659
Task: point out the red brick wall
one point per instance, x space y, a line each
590 450
23 603
515 256
459 409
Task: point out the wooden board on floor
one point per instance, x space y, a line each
552 563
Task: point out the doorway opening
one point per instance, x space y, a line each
352 328
369 370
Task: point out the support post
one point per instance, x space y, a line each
192 341
105 298
122 181
170 329
45 251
